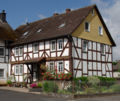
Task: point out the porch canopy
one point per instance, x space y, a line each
34 60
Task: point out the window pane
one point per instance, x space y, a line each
21 69
1 51
60 66
21 50
16 69
85 46
1 72
53 45
51 66
102 49
35 47
86 26
100 30
60 44
16 51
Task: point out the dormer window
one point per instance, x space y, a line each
25 33
35 47
87 26
39 30
62 25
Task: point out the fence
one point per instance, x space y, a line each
80 87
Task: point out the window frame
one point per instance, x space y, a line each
15 70
3 51
53 66
17 50
51 45
58 66
58 44
20 50
3 72
34 51
101 30
86 46
102 48
88 26
19 66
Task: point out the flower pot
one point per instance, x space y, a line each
9 85
35 89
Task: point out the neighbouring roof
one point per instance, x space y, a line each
6 32
55 26
117 66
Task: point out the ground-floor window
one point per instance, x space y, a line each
51 64
60 66
18 69
1 72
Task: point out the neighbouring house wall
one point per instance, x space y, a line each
44 50
115 74
4 59
91 62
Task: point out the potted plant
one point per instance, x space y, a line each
9 83
36 87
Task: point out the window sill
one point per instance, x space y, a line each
52 50
87 30
35 51
103 54
59 49
2 77
100 34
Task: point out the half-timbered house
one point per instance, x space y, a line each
7 36
77 41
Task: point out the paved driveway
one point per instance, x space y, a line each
17 94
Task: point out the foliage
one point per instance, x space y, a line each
64 76
76 88
9 82
103 88
116 88
34 86
24 83
39 85
93 80
48 75
43 66
114 63
118 70
49 86
24 77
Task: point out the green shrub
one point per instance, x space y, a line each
9 82
39 85
76 89
49 86
93 80
116 88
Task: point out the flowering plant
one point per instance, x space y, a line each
24 83
43 66
34 86
64 76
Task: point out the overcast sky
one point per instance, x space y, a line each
32 10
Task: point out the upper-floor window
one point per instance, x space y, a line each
51 64
18 69
35 47
103 49
60 66
20 51
1 72
16 51
53 45
92 12
85 46
100 30
60 44
2 51
87 26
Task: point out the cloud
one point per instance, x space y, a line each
110 13
41 16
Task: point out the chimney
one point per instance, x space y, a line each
3 16
68 10
55 14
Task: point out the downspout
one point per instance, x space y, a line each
73 44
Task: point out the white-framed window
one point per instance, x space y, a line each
35 47
16 51
2 51
20 51
103 49
92 12
60 66
100 30
85 46
87 26
19 69
59 44
53 45
51 66
1 73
